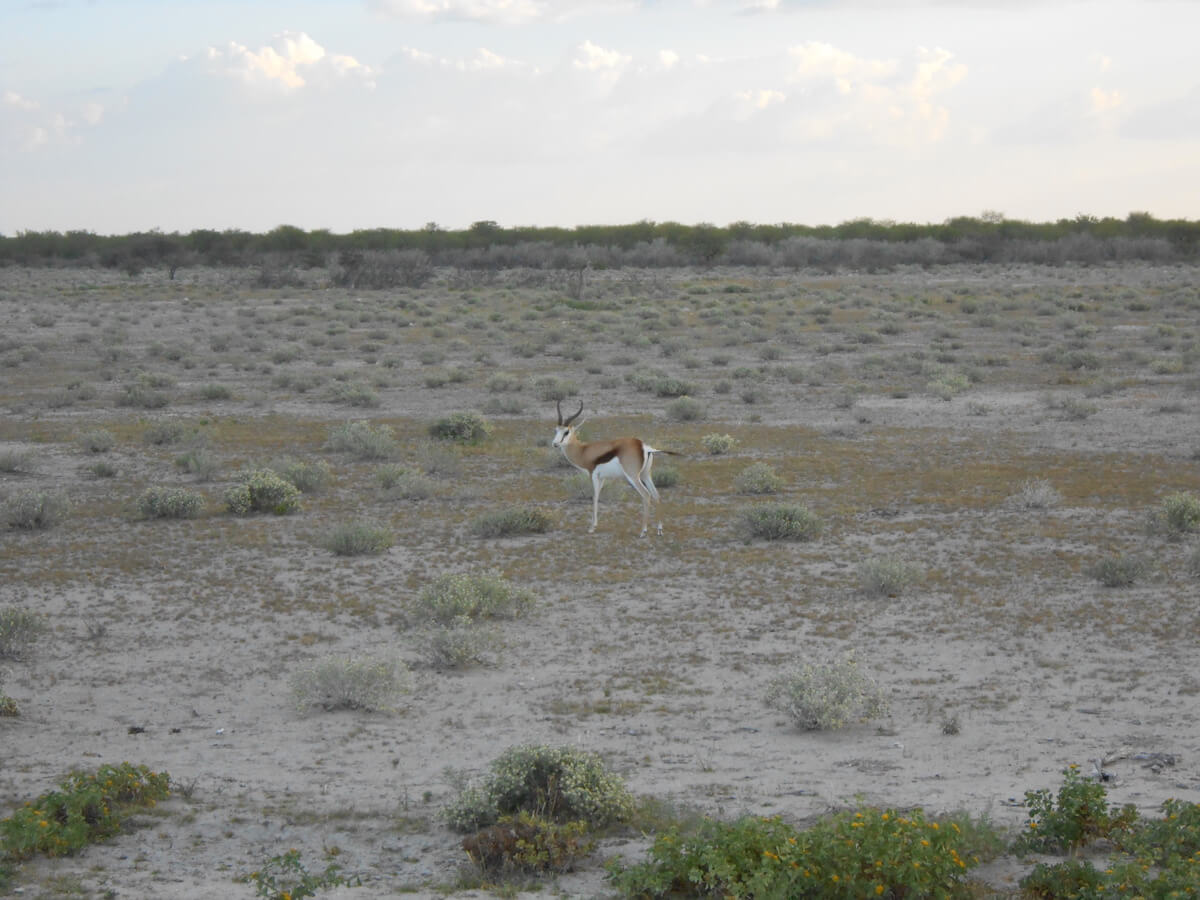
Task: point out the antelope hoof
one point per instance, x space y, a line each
660 527
643 534
592 530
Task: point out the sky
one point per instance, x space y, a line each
130 115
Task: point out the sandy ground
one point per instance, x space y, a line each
654 653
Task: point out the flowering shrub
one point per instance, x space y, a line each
285 877
559 783
84 809
36 510
779 522
169 503
262 490
475 596
717 444
1077 815
463 427
868 853
758 478
529 843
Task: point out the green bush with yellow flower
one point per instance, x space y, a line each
866 853
87 807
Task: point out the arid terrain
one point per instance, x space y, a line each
910 410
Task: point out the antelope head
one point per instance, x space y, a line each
563 430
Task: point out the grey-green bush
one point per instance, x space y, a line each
887 576
261 490
473 595
779 522
35 510
20 629
758 478
363 440
824 696
169 503
461 427
351 682
511 522
558 783
358 539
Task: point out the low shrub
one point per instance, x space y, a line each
1036 493
261 490
461 427
358 539
473 596
164 433
887 576
308 477
142 396
866 853
1074 816
15 461
718 444
36 510
285 877
779 522
685 409
528 843
401 483
666 476
355 394
20 629
97 440
511 522
825 696
758 478
459 643
349 682
1122 570
199 461
1180 514
169 503
364 441
85 808
561 784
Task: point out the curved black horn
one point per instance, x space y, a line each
572 418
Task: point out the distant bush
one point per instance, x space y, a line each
261 490
779 522
685 409
1036 493
142 397
462 427
473 596
399 483
825 696
1179 515
358 539
163 433
718 444
886 576
1122 570
20 629
350 682
758 478
308 477
511 522
36 510
363 440
355 394
666 476
15 460
458 643
199 461
169 503
98 440
561 784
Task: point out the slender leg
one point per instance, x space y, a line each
597 483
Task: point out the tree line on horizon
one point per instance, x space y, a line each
865 243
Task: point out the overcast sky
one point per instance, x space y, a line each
128 115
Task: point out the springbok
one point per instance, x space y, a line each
628 456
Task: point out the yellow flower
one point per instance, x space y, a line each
885 817
879 889
834 878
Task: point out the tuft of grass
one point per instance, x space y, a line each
779 522
825 696
164 433
758 478
458 644
308 477
199 461
512 521
36 510
1179 515
20 629
358 539
361 683
169 503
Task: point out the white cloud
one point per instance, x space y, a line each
591 58
291 61
15 100
501 12
1105 101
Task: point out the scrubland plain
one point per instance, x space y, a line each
986 449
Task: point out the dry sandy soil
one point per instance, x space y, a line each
653 652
